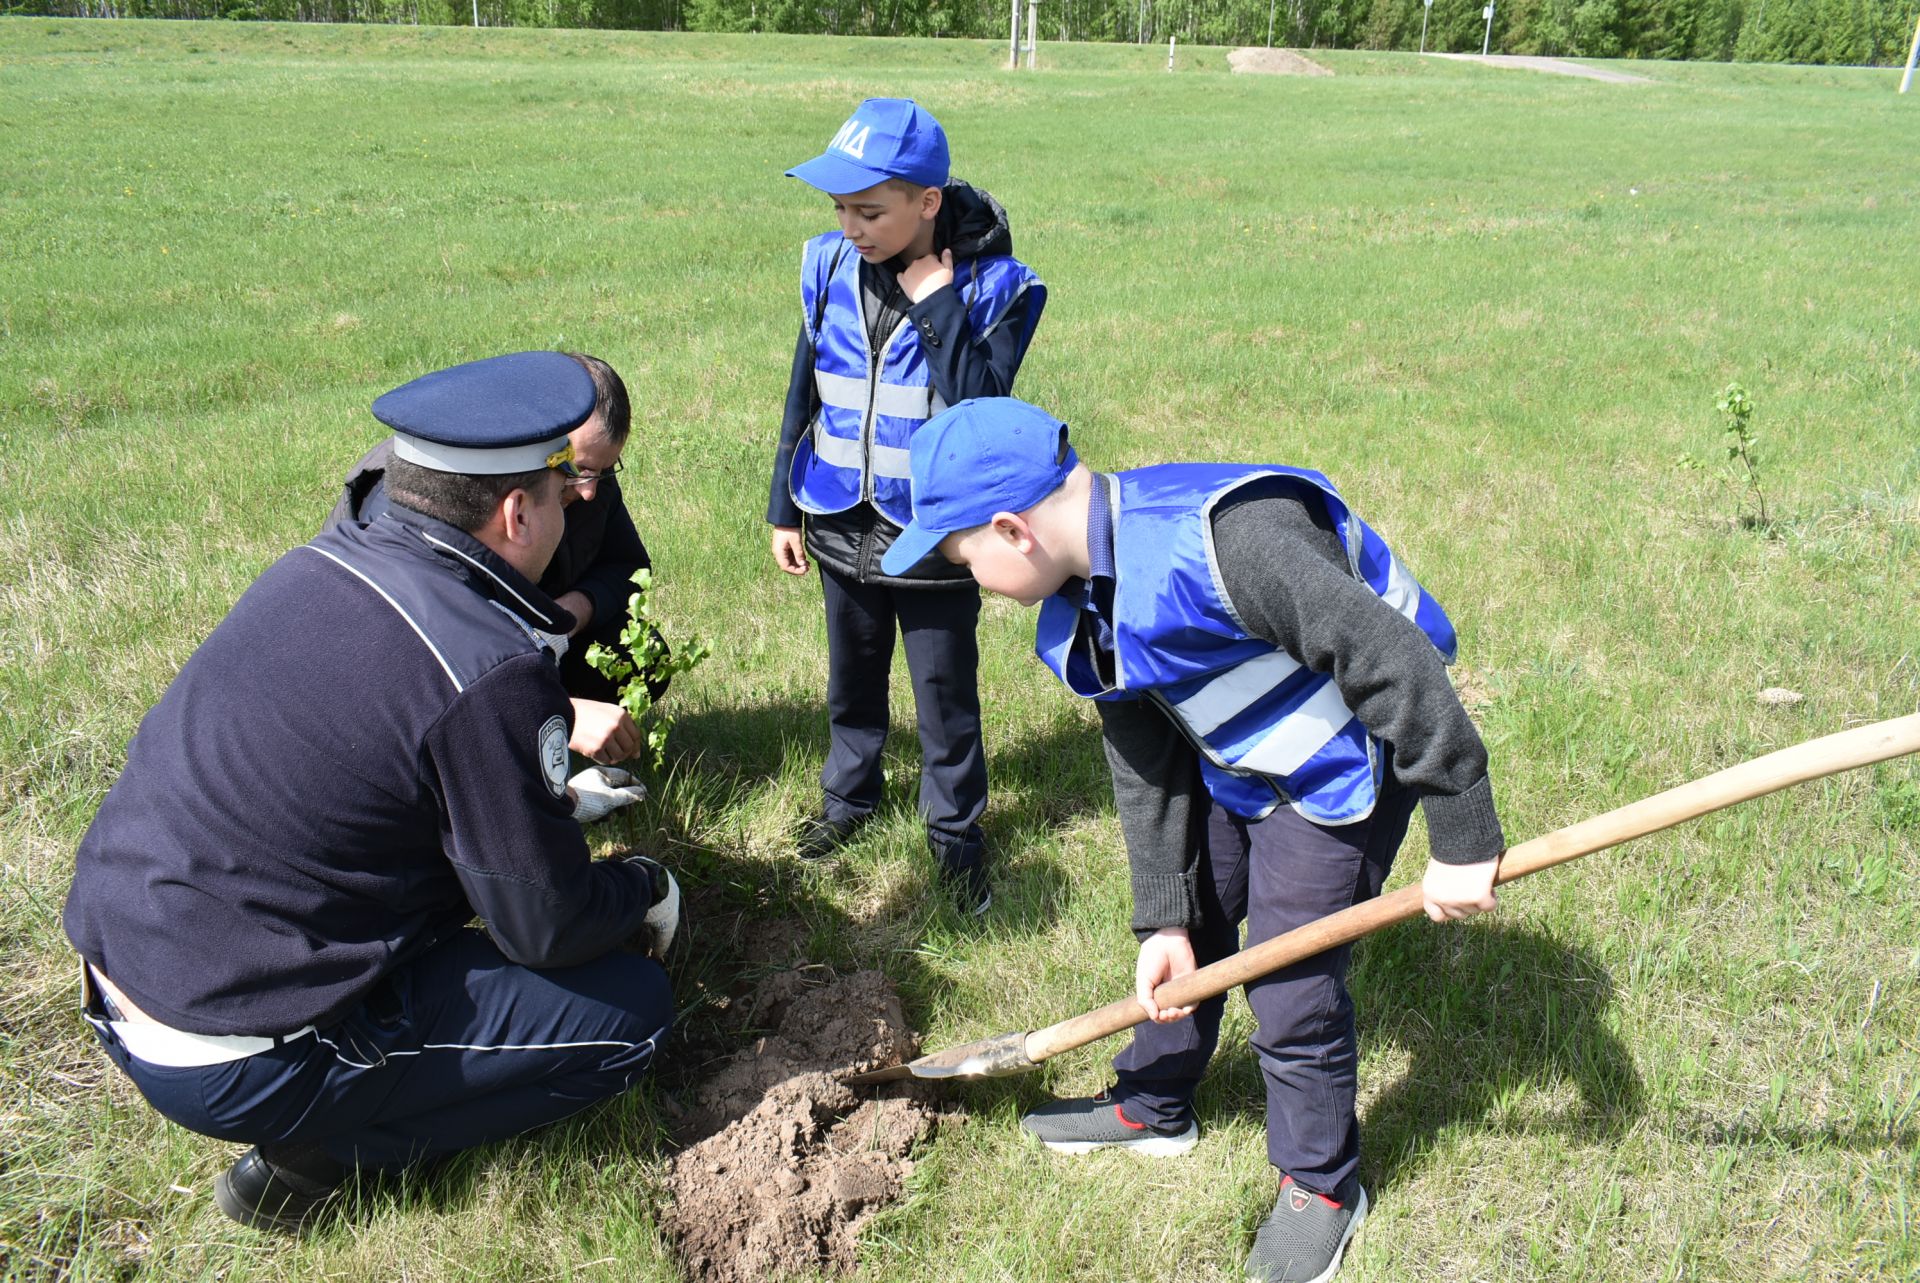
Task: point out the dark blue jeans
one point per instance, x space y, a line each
1276 874
938 626
456 1049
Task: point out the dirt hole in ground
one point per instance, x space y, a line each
1274 62
782 1163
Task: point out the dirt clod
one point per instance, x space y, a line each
784 1163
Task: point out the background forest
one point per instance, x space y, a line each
1803 31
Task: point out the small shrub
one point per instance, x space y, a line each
1737 408
1741 444
642 654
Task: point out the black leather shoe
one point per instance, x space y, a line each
266 1195
822 836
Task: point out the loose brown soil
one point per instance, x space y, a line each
784 1163
1274 62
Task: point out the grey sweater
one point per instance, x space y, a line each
1286 574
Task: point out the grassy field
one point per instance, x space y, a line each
1495 306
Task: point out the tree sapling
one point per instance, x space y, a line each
642 656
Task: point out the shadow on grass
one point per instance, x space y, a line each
1500 1025
1042 780
1498 1021
1038 784
748 744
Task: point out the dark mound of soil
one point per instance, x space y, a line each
783 1162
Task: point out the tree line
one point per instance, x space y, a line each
1805 31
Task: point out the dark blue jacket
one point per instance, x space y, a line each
369 750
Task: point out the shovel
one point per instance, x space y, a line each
1015 1053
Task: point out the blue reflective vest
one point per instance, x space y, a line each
856 448
1268 729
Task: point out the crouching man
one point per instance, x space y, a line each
274 902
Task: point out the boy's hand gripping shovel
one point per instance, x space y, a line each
1014 1053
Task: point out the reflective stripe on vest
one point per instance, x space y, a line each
1267 728
856 449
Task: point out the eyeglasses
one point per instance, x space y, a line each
573 475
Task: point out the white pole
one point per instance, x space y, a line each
1270 5
1426 11
1488 38
1013 38
1912 53
1033 48
1170 40
476 12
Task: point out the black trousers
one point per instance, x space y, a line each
1276 874
457 1048
943 657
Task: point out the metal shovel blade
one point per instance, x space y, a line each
1000 1056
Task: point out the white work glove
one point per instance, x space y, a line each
599 791
662 922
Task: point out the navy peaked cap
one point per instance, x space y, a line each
487 418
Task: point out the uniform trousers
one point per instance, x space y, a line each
458 1048
943 657
1276 874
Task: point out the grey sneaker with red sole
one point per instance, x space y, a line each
1305 1234
1087 1123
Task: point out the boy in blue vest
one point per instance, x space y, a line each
916 303
1273 693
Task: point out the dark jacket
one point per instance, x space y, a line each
366 752
971 224
597 555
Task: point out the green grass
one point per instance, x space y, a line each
1494 306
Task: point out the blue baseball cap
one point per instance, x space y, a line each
885 138
988 454
490 418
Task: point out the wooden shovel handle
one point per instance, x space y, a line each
1829 755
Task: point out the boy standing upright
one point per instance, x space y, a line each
916 303
1274 700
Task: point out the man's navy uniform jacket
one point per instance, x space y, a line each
369 749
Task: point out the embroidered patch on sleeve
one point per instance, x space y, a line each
551 745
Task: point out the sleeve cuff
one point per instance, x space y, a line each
1464 828
938 316
1163 900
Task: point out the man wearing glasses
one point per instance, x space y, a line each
591 575
274 903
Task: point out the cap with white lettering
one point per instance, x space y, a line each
885 138
983 456
489 418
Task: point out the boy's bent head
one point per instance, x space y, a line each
982 459
885 138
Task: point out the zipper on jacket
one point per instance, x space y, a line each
873 386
